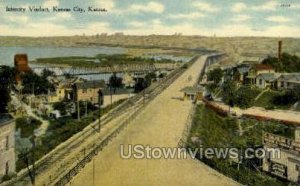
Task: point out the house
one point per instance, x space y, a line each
241 72
7 145
192 93
266 80
286 164
88 91
288 81
63 89
257 69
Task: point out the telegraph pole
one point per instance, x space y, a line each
78 111
100 102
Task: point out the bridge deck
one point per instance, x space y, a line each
160 125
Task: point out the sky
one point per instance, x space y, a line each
279 18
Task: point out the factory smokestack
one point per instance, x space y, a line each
279 49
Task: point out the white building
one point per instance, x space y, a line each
289 81
7 145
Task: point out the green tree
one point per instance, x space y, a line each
46 73
7 75
36 84
215 75
115 82
244 97
229 87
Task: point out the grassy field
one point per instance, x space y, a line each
266 101
100 60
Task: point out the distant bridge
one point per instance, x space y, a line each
131 68
215 58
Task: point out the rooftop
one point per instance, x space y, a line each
91 84
290 77
262 67
269 76
5 119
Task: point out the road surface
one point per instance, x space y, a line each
161 124
281 115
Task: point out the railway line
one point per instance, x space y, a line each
52 169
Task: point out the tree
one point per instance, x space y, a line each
287 63
140 84
244 97
115 81
229 87
7 75
46 73
64 107
36 84
215 75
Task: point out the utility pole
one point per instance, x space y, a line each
78 111
100 102
85 108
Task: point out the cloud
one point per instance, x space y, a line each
192 15
154 7
52 29
268 6
206 7
107 4
241 18
61 16
137 24
295 6
278 19
238 7
20 19
50 3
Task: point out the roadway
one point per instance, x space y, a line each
161 124
279 115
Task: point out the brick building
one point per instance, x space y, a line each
21 65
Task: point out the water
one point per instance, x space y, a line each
7 56
7 53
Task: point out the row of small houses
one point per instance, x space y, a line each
263 76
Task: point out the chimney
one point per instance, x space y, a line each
279 49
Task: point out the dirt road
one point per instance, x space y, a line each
160 125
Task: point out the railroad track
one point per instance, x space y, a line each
61 153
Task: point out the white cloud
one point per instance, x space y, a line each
241 18
295 6
206 7
50 3
52 29
152 27
107 4
192 15
149 7
238 7
268 6
61 16
21 19
278 19
137 24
